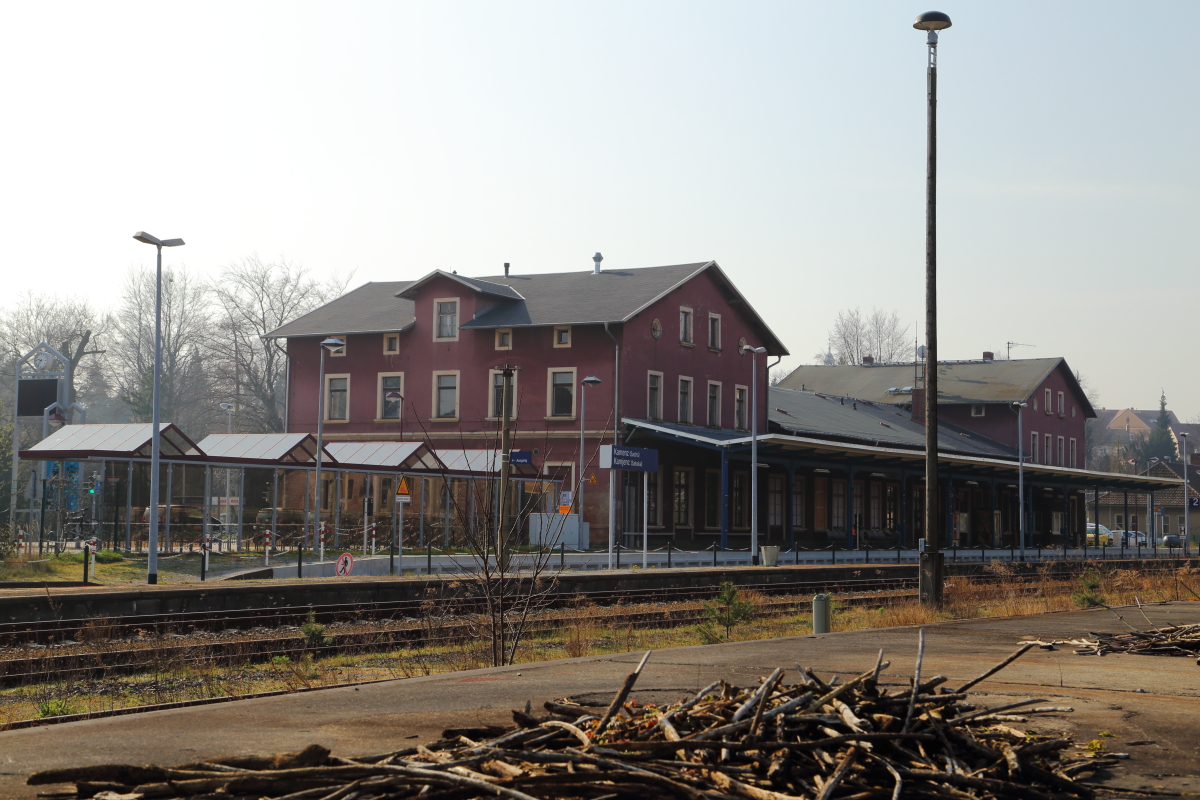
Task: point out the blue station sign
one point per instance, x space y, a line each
634 459
520 456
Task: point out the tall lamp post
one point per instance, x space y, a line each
228 409
1186 500
590 380
930 573
1021 475
333 345
155 443
753 351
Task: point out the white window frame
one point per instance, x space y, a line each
386 351
654 414
331 376
691 499
550 469
686 337
691 415
1049 455
550 392
1062 404
745 392
379 395
496 339
457 316
714 316
433 408
493 410
341 351
978 409
1033 447
1049 401
776 514
570 335
720 401
1074 453
1061 452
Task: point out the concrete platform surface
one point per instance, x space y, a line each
1136 698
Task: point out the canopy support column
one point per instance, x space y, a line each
724 498
167 521
129 508
241 503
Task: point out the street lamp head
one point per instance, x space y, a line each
226 406
591 380
1020 405
393 396
146 238
932 21
748 349
333 344
172 242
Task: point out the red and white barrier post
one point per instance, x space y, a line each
321 539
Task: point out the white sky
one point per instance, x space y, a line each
783 139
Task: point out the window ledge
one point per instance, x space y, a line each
687 344
390 419
714 349
561 419
444 419
336 421
498 419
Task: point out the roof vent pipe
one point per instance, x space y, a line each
597 259
506 269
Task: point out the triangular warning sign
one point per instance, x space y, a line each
402 487
592 479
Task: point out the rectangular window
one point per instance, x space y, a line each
391 344
1049 403
820 498
740 410
445 321
1120 518
685 401
1074 461
876 508
1033 448
740 501
714 404
504 339
497 394
798 503
685 325
562 336
1062 405
391 391
337 398
654 396
445 395
890 508
681 498
839 505
1062 461
653 483
712 499
1048 453
775 500
978 410
562 393
714 331
860 492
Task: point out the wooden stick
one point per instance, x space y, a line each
619 700
1020 652
912 702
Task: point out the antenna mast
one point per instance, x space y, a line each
1011 345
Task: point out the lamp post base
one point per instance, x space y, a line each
152 578
930 572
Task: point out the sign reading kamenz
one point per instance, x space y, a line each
635 459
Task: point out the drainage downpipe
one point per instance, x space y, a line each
612 473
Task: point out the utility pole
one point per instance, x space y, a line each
498 645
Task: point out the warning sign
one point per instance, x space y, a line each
344 565
592 479
403 495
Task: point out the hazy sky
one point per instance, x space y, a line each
783 139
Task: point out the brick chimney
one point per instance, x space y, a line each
918 405
868 360
988 355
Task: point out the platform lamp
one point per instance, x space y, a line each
753 351
930 572
590 380
333 345
155 439
1187 529
228 409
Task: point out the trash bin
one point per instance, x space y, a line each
820 607
770 555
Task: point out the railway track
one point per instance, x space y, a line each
161 654
157 625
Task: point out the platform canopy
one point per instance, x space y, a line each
111 441
262 449
387 456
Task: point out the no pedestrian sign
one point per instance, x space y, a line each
344 565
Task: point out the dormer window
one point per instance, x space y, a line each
445 319
562 336
391 344
504 338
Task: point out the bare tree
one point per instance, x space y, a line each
878 334
68 324
254 298
187 395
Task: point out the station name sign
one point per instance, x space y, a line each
635 459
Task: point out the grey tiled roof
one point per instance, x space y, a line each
958 381
810 414
371 308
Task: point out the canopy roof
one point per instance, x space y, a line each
268 449
120 440
376 455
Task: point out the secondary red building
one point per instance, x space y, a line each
665 343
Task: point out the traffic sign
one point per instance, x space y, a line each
403 495
592 479
344 565
635 459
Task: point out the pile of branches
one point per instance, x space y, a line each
815 739
1177 640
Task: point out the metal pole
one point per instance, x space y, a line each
167 514
931 560
1186 499
155 443
505 470
207 506
320 441
582 427
241 503
645 518
274 511
129 509
754 456
1021 475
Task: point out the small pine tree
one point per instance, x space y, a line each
1160 444
726 612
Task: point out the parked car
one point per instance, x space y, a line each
1106 538
1172 540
